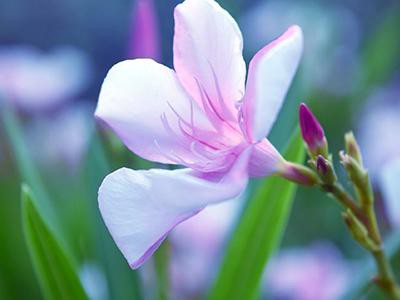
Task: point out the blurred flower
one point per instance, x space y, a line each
197 244
390 186
62 137
316 272
328 43
94 281
144 36
37 81
379 127
199 117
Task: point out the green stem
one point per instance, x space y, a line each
373 224
337 190
366 214
386 279
161 261
20 151
23 160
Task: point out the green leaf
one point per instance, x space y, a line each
123 282
23 159
381 54
161 263
258 234
54 269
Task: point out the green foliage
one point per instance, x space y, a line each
23 160
123 282
55 271
381 54
258 234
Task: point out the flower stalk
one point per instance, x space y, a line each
359 215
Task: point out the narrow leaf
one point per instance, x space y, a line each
161 262
123 282
258 234
382 49
55 271
23 159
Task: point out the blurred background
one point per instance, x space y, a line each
54 55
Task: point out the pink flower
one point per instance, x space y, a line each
47 135
144 36
198 116
315 272
197 245
36 81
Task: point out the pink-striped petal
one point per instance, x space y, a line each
270 74
208 55
145 105
140 208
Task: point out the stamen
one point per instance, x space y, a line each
211 150
225 110
170 131
211 114
213 107
180 118
242 125
166 155
195 137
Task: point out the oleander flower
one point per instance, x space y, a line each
36 81
46 136
199 116
314 272
197 246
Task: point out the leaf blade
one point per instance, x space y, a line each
258 234
55 271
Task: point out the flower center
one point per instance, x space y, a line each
212 150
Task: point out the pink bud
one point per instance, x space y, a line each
144 35
322 166
298 174
325 170
312 132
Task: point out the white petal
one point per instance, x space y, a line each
208 49
135 97
141 207
270 74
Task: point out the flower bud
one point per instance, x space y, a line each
325 170
352 148
359 177
358 231
312 132
356 172
299 174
